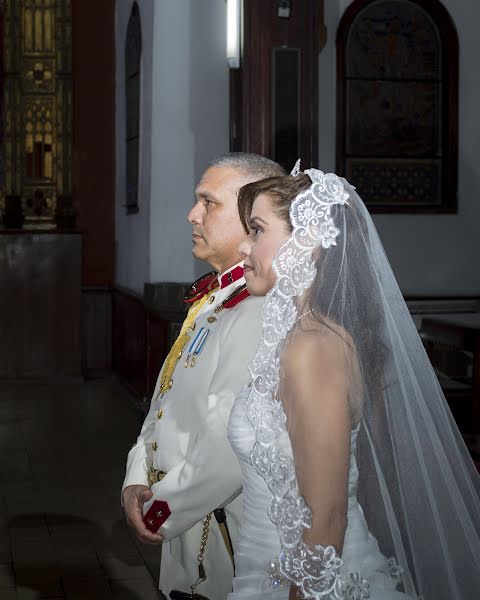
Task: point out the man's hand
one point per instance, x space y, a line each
134 497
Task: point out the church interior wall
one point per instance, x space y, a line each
184 123
190 125
133 231
431 255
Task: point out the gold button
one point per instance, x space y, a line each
193 325
211 299
160 414
159 513
154 446
170 384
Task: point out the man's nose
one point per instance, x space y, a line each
195 214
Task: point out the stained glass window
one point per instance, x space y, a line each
37 110
397 105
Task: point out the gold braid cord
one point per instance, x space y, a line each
176 350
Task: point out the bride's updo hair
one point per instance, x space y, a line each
281 191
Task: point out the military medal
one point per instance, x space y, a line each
196 347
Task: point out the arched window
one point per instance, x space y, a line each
133 53
397 104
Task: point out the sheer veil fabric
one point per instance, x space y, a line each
417 485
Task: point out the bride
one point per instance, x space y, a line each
357 483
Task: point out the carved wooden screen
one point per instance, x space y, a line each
37 106
133 53
397 85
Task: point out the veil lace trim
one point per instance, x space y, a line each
315 571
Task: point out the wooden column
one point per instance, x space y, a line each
252 101
93 49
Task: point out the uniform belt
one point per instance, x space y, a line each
155 475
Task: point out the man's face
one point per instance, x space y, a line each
217 231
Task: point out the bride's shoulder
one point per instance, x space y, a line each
320 345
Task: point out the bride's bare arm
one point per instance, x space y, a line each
315 390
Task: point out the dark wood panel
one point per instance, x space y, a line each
96 331
264 30
157 348
144 328
458 334
40 305
129 355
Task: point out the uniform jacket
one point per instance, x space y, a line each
185 435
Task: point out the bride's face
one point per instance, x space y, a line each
267 233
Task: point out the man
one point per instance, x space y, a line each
183 452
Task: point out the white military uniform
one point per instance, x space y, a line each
184 435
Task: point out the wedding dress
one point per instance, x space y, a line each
413 530
365 572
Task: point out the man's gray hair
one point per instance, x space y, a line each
253 166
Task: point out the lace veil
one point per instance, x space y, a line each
417 485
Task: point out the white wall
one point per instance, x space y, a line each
185 116
190 125
132 232
430 254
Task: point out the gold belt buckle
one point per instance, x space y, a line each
155 475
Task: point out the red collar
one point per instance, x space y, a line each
238 295
231 276
209 282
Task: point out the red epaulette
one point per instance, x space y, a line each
204 284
